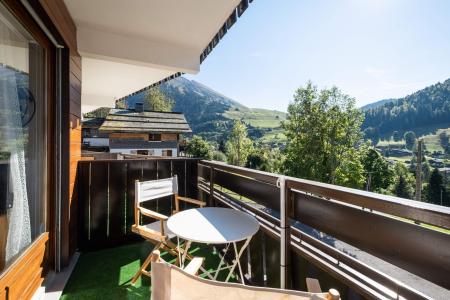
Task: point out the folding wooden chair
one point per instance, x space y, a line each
172 283
156 232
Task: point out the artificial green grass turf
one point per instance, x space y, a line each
106 274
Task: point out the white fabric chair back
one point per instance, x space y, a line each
172 283
154 189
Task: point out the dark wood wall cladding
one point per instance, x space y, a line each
106 196
56 11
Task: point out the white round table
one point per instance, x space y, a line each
214 225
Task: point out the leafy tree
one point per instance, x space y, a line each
265 159
276 161
239 146
322 130
410 139
257 160
436 188
378 174
396 136
157 101
219 156
198 147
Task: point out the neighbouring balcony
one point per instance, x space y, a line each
364 244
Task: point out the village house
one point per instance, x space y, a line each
136 131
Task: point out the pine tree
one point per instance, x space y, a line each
436 190
402 188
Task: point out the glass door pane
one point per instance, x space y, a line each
23 139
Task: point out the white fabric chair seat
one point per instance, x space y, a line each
156 226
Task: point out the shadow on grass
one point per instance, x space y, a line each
106 274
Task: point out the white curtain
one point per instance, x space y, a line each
13 139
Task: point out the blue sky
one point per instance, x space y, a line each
371 49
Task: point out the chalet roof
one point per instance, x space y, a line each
125 120
92 122
140 144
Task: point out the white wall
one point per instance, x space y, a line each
97 142
156 152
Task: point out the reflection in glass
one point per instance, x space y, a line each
22 139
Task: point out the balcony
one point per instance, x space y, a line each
364 244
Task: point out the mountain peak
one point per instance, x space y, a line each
211 114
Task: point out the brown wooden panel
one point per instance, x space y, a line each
419 250
74 162
75 95
169 136
60 16
75 67
75 135
74 121
262 193
410 209
75 149
72 177
192 179
77 61
75 82
75 108
118 135
99 201
179 169
118 195
164 168
262 176
22 277
117 198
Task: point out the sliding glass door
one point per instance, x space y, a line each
23 139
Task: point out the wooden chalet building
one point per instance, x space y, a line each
135 131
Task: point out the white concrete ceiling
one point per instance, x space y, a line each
127 45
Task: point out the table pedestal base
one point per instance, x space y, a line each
236 261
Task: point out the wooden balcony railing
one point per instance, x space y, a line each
106 196
380 225
282 253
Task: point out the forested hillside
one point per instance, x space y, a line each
211 114
421 112
377 104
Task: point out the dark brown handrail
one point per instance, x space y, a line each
410 209
255 174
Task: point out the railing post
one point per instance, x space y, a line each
285 241
211 187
